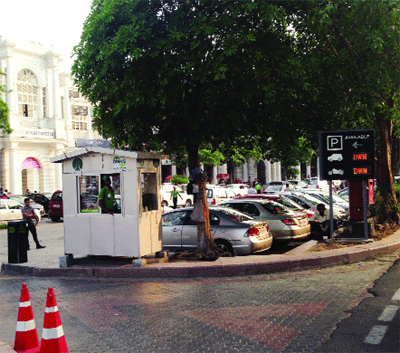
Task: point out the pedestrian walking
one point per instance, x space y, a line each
174 196
28 213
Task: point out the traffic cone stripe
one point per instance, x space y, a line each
52 333
25 304
26 325
51 310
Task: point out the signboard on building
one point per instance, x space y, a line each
347 155
93 143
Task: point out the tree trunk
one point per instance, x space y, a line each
206 247
385 175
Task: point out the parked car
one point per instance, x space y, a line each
34 205
232 231
285 224
324 196
344 194
43 199
56 206
310 202
222 192
238 189
319 184
186 200
285 201
10 210
212 197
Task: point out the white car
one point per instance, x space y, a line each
335 157
239 189
10 210
166 200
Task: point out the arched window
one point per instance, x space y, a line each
27 86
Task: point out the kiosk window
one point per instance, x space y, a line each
89 193
149 191
111 196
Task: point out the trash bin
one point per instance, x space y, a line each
17 242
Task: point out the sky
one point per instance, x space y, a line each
52 23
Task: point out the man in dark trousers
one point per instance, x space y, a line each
28 213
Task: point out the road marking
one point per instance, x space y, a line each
376 334
389 313
396 295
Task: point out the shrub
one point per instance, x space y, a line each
385 210
179 179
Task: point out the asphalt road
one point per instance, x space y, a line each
302 311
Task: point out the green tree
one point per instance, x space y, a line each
351 51
170 74
4 111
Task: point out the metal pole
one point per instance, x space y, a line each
365 208
330 209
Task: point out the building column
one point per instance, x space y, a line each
68 118
10 89
215 172
299 175
173 169
56 93
279 171
15 172
49 96
40 102
308 170
267 171
245 172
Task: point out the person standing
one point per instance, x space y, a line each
251 190
174 196
107 201
28 213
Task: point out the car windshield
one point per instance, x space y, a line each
312 199
274 188
57 196
236 215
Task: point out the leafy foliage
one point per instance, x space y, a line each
179 179
4 112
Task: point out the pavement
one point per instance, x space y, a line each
46 262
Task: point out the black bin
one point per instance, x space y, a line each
17 242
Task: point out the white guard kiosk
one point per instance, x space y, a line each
134 230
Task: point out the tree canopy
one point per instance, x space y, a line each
244 75
167 74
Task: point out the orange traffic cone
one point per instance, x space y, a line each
26 337
53 339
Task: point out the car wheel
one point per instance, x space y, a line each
224 246
188 203
164 203
54 218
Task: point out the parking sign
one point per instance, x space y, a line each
347 155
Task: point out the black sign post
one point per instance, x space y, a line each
348 155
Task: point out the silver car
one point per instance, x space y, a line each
10 210
285 224
232 231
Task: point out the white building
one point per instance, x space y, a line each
47 115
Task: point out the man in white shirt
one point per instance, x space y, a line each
322 217
252 190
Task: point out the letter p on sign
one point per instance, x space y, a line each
334 143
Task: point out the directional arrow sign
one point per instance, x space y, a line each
347 155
